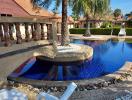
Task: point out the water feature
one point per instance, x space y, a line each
108 57
122 30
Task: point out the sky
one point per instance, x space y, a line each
124 5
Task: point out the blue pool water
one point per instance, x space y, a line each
108 57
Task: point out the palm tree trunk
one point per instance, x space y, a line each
87 32
64 27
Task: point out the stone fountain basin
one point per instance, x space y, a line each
71 48
73 52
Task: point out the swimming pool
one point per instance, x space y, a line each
108 57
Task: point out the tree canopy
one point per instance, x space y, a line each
90 9
117 12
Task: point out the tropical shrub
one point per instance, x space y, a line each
129 23
106 25
100 31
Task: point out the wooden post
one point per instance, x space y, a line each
27 37
6 34
11 31
42 31
1 33
18 33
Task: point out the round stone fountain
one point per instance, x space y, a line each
73 52
56 60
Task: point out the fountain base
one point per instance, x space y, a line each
73 52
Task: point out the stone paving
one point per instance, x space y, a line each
14 56
108 93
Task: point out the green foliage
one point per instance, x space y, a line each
90 7
129 23
100 31
117 12
117 26
129 31
106 25
75 16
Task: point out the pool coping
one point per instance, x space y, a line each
41 83
98 37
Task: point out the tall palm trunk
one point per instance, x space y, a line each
64 27
87 32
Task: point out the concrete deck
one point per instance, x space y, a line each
13 56
97 37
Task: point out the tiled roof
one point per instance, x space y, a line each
27 6
70 19
24 8
10 7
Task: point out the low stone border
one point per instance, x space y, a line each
83 85
98 38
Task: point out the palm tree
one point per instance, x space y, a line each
64 27
117 13
90 8
74 16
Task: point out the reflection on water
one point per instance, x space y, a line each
108 57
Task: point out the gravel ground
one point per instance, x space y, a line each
110 92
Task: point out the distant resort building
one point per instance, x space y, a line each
129 17
96 23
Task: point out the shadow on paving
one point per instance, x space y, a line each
21 50
111 92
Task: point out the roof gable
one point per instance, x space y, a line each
26 5
10 7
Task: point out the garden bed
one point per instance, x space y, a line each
100 31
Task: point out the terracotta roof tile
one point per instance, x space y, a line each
10 7
27 6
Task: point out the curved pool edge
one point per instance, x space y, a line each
41 83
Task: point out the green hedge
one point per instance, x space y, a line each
100 31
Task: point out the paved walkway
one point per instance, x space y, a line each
13 56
